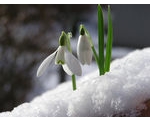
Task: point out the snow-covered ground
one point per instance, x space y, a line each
120 92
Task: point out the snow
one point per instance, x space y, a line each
122 91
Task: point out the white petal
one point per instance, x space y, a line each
80 53
45 64
60 59
81 57
84 50
88 56
67 70
72 64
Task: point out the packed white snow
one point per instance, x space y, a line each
122 91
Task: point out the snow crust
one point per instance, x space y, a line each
122 91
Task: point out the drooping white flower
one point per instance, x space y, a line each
84 50
62 57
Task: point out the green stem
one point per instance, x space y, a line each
95 56
74 82
109 42
101 40
69 35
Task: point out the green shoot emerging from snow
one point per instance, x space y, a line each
101 40
104 63
109 42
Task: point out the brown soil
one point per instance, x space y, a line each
146 112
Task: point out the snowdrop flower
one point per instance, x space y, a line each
61 57
84 50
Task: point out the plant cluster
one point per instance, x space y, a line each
71 65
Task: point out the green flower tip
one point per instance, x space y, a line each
60 62
62 39
82 30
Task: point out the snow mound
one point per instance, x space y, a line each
122 91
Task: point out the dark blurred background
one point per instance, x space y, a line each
29 33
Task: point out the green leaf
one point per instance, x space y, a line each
109 42
101 39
